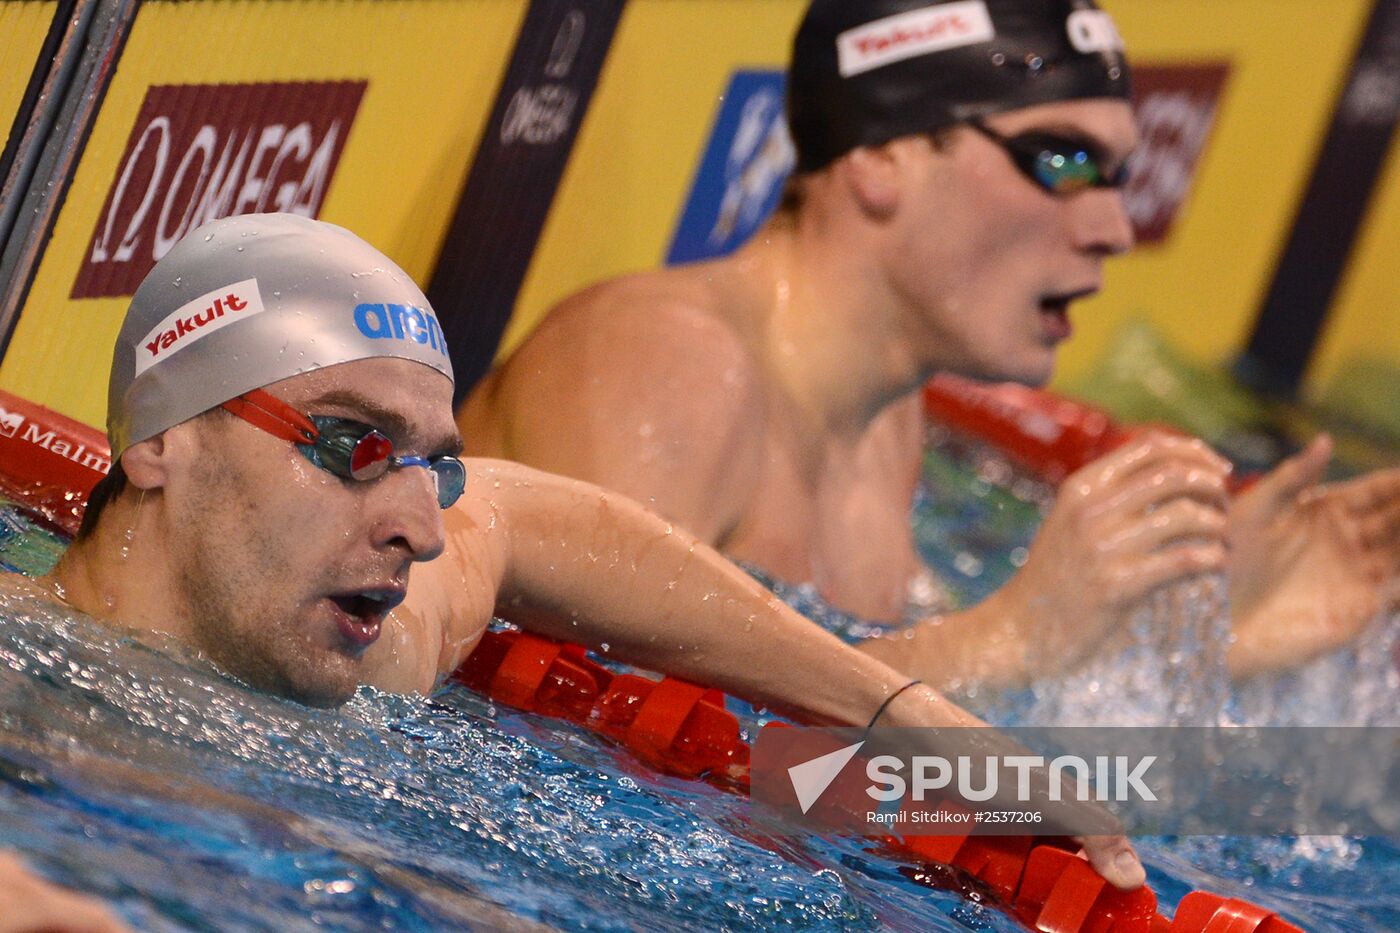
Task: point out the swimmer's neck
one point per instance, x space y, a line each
119 575
833 340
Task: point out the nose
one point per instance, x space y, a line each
409 517
1100 223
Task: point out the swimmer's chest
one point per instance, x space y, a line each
842 522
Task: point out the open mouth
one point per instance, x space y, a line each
360 616
1054 317
1054 312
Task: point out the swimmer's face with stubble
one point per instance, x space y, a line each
288 572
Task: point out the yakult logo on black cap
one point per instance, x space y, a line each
918 32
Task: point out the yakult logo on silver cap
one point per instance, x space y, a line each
196 320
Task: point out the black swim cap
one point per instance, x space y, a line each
865 72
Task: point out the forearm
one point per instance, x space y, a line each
1295 623
1264 642
1244 659
950 652
594 567
589 566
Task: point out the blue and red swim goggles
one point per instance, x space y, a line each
343 447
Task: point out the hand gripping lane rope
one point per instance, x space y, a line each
684 730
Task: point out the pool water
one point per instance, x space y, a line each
191 802
188 802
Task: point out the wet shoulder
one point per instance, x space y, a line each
663 310
452 597
593 351
644 350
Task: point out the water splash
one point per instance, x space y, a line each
1357 686
1172 671
509 812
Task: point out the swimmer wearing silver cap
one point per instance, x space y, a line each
230 528
957 192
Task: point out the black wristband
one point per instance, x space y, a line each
888 700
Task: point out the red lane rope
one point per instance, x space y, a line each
684 730
1050 435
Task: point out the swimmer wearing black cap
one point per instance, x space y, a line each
956 193
289 502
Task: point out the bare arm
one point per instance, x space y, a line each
1311 565
582 564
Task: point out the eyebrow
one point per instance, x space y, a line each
395 423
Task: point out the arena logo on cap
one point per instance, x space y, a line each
917 32
199 152
400 322
196 320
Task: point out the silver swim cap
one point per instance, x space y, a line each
246 301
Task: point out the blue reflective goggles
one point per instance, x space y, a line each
1058 164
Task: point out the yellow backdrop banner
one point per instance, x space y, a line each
23 26
403 87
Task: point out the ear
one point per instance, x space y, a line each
147 464
872 175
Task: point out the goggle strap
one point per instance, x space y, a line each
274 416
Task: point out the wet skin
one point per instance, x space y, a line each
780 419
281 572
979 263
769 402
228 539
